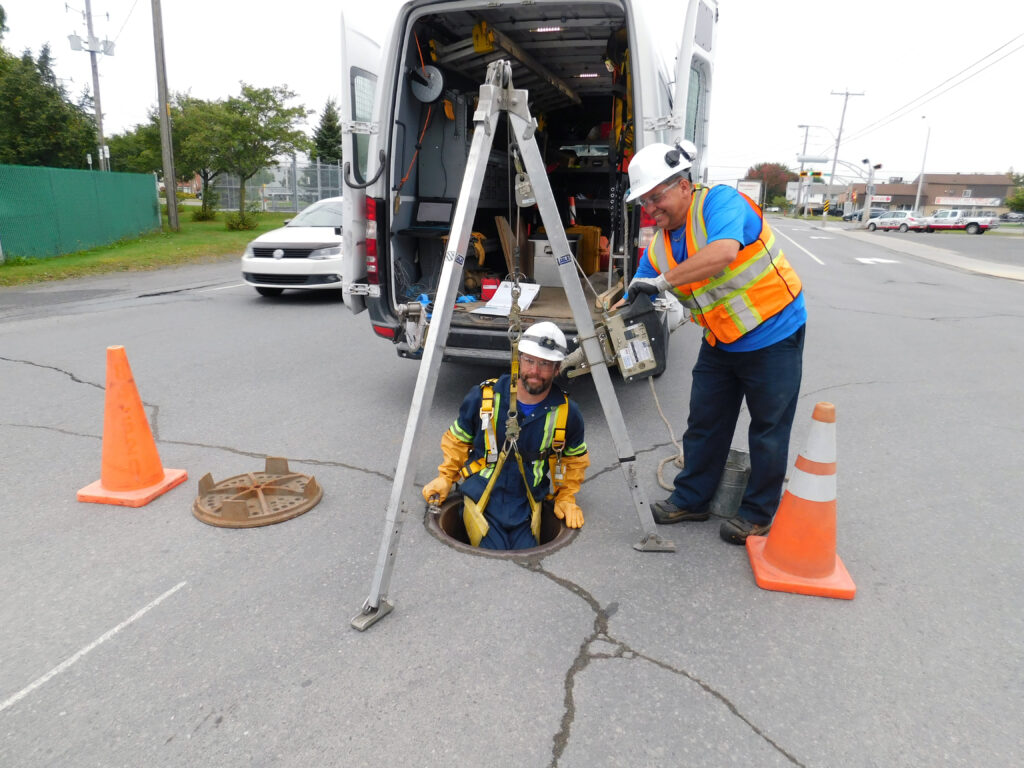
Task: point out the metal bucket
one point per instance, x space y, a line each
729 494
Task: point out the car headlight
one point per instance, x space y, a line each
325 253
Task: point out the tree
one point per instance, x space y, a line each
250 131
327 137
39 125
1015 202
195 149
136 150
773 178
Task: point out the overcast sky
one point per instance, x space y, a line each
947 65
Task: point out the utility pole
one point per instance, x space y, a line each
835 158
104 163
920 178
94 46
164 105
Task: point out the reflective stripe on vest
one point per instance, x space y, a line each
758 284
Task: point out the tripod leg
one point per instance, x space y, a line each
376 605
523 130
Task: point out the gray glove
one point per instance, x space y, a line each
649 285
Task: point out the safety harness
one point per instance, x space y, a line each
555 450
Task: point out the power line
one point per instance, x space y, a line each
913 103
130 12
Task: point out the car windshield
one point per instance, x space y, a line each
325 213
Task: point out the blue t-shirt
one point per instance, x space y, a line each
729 217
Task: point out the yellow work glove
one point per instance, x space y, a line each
573 470
455 454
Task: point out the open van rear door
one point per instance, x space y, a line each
359 61
691 101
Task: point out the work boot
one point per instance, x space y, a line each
666 513
736 529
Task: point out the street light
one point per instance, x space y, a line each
869 191
920 178
800 184
804 158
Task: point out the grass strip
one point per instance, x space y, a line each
195 242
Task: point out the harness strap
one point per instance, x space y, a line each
557 445
558 438
487 422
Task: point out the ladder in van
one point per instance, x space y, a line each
496 97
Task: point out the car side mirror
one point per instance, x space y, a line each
286 221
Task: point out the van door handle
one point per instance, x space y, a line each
353 185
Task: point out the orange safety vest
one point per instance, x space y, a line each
758 284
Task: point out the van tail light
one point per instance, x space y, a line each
648 228
372 251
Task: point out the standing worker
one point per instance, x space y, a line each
716 253
505 481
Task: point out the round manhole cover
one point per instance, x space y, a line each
256 498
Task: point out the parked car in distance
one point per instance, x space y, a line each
856 215
305 253
1011 216
901 220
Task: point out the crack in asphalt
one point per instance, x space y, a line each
53 368
622 651
225 448
154 420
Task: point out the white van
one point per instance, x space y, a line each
603 81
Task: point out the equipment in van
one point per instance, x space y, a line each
497 97
431 217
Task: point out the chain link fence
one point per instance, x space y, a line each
53 211
290 186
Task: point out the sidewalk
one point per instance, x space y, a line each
931 253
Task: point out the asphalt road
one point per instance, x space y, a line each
145 637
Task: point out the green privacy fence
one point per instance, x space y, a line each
53 211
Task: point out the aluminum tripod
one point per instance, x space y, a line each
496 97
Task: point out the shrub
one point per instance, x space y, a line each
237 221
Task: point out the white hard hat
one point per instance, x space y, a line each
544 340
657 162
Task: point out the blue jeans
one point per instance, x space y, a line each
769 379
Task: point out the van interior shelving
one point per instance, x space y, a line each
561 60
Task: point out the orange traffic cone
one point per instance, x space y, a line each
131 474
799 553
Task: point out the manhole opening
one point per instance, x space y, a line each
449 528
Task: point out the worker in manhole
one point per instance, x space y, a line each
716 254
508 462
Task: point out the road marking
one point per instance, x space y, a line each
221 288
820 237
794 242
68 662
877 261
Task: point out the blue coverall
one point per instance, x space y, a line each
508 511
